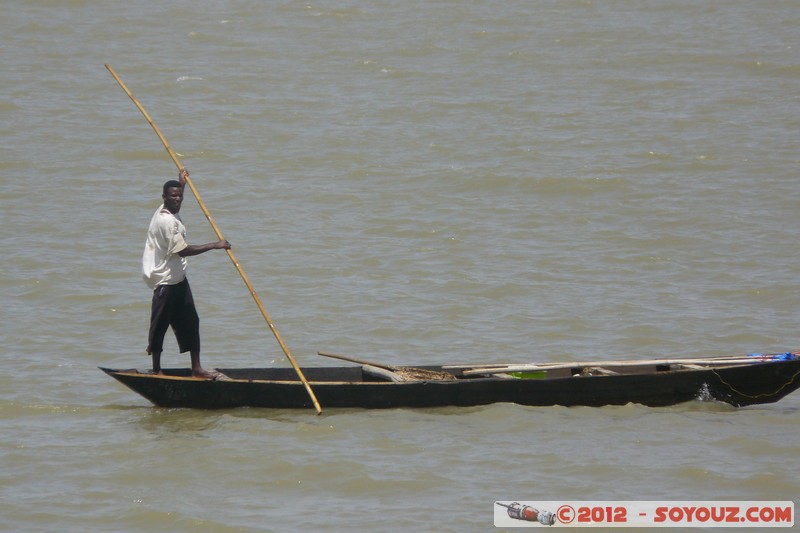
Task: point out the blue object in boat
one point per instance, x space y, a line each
788 356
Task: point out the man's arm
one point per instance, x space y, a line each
182 175
197 249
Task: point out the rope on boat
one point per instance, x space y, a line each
756 396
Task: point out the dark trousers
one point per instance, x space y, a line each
173 305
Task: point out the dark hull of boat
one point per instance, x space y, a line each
335 387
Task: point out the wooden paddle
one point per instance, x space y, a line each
533 367
409 373
220 237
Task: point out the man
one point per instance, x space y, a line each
164 271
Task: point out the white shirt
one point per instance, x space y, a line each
166 236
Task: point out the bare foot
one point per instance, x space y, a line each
201 373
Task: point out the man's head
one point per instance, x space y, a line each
173 196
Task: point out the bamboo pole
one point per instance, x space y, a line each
624 362
207 214
721 361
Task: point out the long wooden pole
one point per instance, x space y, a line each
220 237
358 361
533 367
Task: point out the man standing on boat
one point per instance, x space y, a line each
164 271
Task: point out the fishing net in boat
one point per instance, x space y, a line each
410 373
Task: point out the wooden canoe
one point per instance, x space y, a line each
738 381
